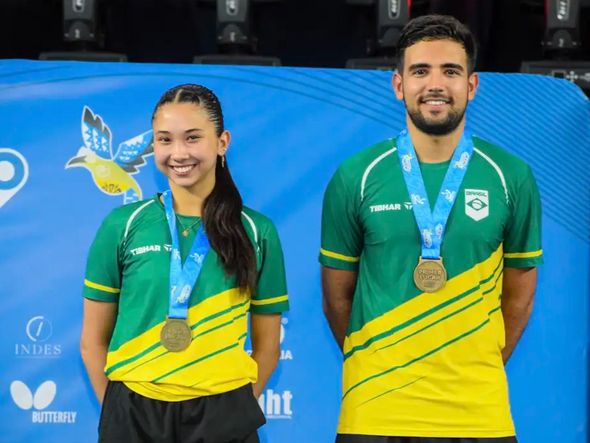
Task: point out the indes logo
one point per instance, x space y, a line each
276 405
112 173
14 173
41 400
477 204
39 332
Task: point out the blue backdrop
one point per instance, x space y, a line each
291 128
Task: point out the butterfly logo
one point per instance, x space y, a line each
24 398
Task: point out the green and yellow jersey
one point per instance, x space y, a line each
129 263
428 364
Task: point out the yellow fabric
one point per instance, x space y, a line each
100 287
216 349
339 256
531 254
268 301
408 372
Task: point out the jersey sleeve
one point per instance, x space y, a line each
102 281
270 296
341 238
522 238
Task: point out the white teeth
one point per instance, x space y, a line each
182 169
435 102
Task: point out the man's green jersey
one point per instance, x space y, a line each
428 364
129 263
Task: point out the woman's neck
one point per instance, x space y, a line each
189 201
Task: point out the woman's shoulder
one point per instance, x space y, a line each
123 215
258 222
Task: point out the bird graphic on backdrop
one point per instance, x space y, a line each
111 173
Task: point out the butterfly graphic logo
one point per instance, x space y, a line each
24 398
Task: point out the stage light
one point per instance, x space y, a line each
560 44
390 18
235 40
81 31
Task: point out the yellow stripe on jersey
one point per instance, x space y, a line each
395 362
531 254
268 301
101 287
339 256
141 357
458 288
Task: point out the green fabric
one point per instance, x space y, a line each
367 217
131 253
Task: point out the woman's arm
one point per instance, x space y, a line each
266 332
97 328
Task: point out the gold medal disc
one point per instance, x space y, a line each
176 335
430 275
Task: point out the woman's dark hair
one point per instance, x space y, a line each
222 218
436 27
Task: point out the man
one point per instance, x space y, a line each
429 248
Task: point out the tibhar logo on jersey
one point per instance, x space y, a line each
14 173
477 203
386 207
390 207
276 405
42 399
111 173
39 331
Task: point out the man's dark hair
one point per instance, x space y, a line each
436 27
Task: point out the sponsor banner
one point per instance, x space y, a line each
76 142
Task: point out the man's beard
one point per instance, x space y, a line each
444 127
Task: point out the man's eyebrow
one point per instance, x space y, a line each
419 66
456 66
453 66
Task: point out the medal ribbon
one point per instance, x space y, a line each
432 224
183 277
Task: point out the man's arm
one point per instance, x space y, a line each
518 293
266 333
97 328
338 290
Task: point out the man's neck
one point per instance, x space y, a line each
189 201
434 148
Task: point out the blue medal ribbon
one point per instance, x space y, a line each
432 225
183 278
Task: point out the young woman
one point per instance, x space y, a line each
168 286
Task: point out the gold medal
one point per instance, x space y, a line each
430 275
185 233
176 335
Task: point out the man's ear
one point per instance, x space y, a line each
396 83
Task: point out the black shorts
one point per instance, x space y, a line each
231 417
349 438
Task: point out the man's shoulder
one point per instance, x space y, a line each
357 165
499 158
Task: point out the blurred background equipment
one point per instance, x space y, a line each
562 45
390 18
549 37
82 34
236 42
